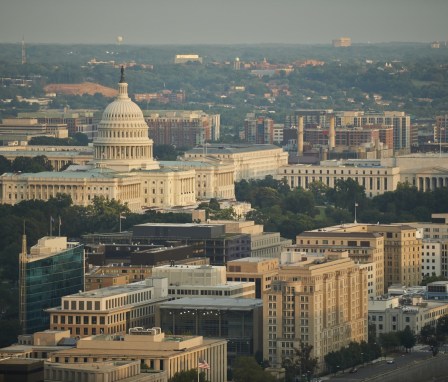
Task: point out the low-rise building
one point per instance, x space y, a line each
393 314
237 320
153 348
110 310
260 270
202 281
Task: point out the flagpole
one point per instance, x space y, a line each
356 205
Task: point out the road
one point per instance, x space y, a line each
370 370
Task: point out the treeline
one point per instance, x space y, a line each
25 164
292 211
78 139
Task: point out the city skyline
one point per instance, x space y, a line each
222 22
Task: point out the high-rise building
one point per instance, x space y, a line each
182 128
320 302
53 268
258 130
402 249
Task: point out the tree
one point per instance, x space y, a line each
246 369
407 338
188 376
302 364
389 340
442 326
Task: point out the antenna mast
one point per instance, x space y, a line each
23 51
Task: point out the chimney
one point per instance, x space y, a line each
300 137
331 133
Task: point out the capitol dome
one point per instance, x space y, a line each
122 142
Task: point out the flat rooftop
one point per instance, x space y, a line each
226 303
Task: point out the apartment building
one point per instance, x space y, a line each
321 302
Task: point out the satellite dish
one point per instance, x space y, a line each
119 39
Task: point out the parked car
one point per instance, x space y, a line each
354 370
390 361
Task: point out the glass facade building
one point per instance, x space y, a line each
236 320
44 280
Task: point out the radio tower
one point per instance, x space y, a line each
23 51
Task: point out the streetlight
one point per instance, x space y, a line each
362 359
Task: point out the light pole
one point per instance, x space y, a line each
356 205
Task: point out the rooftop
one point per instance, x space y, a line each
213 303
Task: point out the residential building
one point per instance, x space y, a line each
109 310
182 128
202 281
260 270
159 352
237 320
321 302
258 130
53 268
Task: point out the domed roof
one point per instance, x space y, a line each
123 108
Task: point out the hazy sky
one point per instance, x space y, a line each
222 21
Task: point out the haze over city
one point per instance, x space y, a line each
222 22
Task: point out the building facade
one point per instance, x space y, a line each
52 269
153 348
111 310
322 303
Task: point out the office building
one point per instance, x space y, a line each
52 269
109 310
153 348
321 302
260 270
237 320
21 370
218 246
250 161
14 130
126 371
402 250
186 58
202 281
393 314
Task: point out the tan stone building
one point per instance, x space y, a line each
375 179
321 302
260 270
402 251
362 248
202 281
151 347
250 161
127 371
109 310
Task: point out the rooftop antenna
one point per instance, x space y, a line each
23 51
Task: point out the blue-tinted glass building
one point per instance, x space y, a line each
53 268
